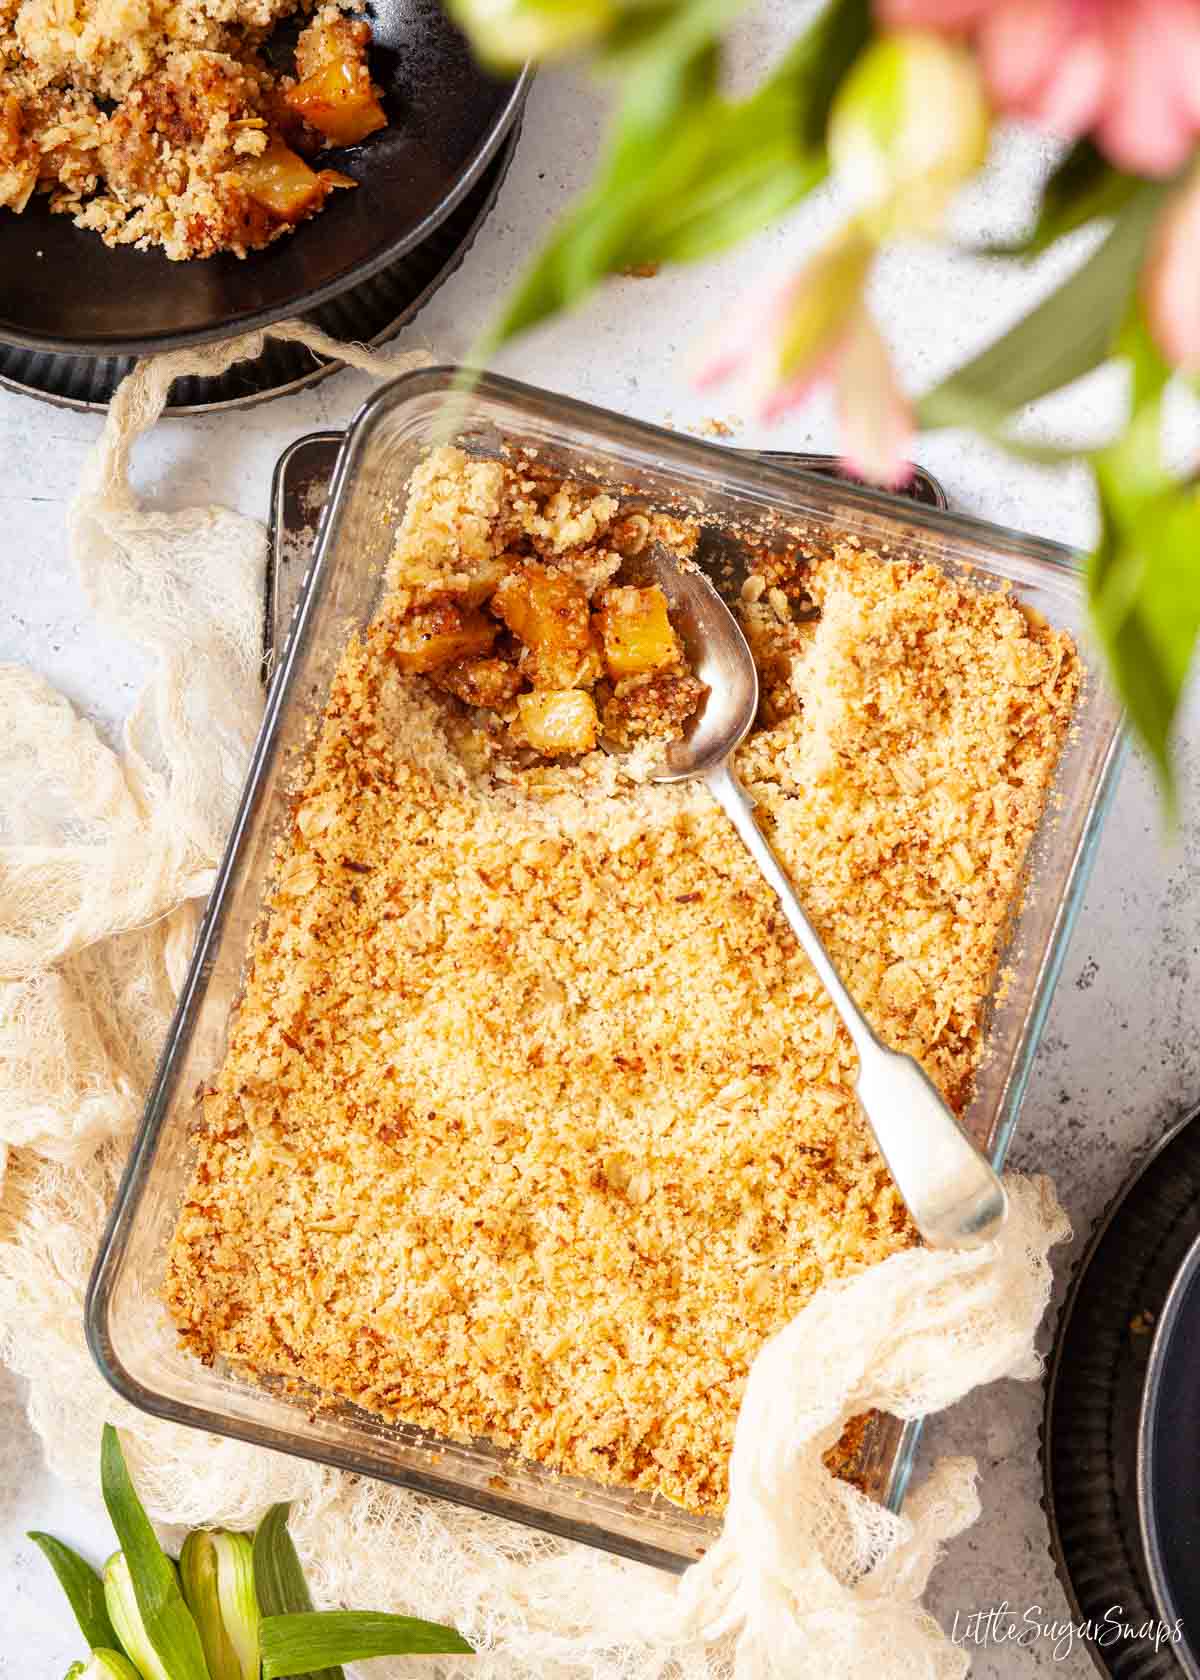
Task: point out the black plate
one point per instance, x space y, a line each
63 289
1093 1404
1169 1462
369 313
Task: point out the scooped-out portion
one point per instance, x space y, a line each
543 632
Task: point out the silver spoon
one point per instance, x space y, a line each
955 1197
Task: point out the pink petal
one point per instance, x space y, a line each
1073 96
930 14
745 330
1147 127
1171 280
1182 19
778 400
1022 43
874 416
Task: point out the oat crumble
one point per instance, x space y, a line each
534 1121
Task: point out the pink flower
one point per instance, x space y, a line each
817 330
1170 285
1127 71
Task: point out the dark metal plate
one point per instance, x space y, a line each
1169 1463
1093 1404
62 288
370 313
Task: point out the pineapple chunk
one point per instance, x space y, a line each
282 182
555 721
637 632
548 611
340 101
434 636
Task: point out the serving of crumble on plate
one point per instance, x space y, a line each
166 125
534 1122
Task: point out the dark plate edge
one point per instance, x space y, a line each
323 368
1160 1588
233 326
1046 1451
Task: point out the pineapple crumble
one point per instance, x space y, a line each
534 1121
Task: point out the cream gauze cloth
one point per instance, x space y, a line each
104 857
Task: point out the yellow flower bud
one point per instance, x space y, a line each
909 125
507 32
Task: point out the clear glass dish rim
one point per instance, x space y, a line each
732 470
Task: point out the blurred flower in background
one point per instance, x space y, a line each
1125 71
1171 280
817 330
896 99
909 125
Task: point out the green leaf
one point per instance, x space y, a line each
1071 332
1148 367
1145 590
83 1587
293 1645
1144 577
1083 187
821 60
279 1582
650 33
688 172
165 1618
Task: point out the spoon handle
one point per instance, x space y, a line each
955 1197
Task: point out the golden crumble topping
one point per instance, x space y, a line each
534 1121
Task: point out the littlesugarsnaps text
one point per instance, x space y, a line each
1003 1625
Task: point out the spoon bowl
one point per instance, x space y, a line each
719 655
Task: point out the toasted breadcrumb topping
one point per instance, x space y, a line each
534 1121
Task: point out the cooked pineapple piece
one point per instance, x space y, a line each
282 182
555 721
430 637
548 611
637 631
492 683
340 100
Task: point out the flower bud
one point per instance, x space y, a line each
507 32
104 1665
817 309
216 1572
909 126
127 1622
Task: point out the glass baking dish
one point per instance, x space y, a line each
128 1328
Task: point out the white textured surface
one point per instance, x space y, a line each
1121 1058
